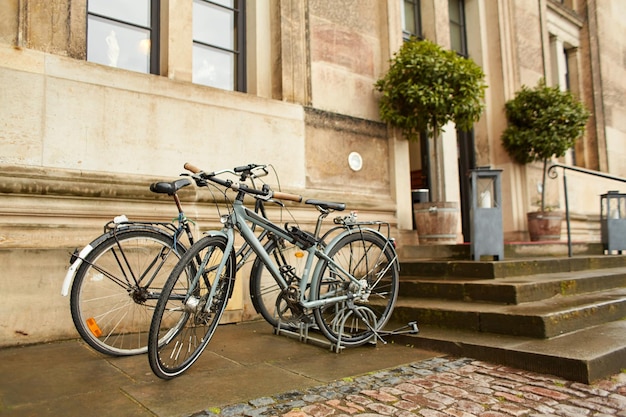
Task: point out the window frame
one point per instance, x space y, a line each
154 30
417 16
462 25
239 30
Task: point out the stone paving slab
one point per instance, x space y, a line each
443 387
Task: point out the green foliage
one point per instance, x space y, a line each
543 122
427 86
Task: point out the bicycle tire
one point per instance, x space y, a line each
265 291
116 289
370 258
181 326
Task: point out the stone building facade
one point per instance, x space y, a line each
82 136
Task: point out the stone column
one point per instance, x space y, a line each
177 38
296 80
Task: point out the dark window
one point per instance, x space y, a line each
458 40
124 34
411 19
218 44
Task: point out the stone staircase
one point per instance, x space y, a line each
551 314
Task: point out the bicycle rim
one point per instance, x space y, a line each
117 287
186 316
369 258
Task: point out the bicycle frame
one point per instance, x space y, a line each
121 224
239 218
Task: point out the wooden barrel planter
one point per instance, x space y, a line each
544 225
436 223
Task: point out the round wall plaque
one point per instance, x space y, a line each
355 161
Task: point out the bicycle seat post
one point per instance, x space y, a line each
177 201
323 213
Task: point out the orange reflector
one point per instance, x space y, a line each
299 254
93 326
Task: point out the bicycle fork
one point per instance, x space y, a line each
202 305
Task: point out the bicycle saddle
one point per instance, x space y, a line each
169 188
326 205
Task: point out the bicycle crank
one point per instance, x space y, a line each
288 307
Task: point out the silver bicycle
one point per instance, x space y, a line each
347 288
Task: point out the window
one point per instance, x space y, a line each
124 34
218 44
458 40
411 19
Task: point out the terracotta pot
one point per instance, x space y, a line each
436 223
544 225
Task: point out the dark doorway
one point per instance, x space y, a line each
467 162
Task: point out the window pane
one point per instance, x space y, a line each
213 25
225 3
454 8
118 45
455 39
131 11
409 24
213 67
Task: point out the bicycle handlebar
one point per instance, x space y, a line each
212 176
192 168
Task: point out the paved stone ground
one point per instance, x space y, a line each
444 387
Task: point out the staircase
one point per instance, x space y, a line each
551 314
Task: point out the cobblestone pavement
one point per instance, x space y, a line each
444 387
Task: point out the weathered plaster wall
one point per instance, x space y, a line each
346 55
611 27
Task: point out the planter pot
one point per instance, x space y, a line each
436 223
544 225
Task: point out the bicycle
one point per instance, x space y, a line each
116 280
349 293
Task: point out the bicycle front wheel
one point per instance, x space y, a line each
363 269
117 286
190 307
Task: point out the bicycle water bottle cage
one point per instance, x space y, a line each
305 239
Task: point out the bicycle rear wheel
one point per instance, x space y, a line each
117 286
267 297
371 260
190 307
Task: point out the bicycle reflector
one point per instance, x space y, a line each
93 326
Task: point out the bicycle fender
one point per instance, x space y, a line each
123 228
71 271
327 249
218 233
392 247
376 232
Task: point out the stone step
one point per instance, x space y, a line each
540 319
512 250
456 269
560 315
585 356
516 289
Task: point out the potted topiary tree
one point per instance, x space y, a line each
543 122
425 88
